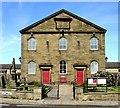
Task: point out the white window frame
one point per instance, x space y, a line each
61 43
93 43
59 68
31 67
30 43
94 67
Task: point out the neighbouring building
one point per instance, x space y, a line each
62 47
6 71
7 68
112 67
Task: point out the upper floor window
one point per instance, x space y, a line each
94 67
63 67
32 44
93 43
31 67
62 43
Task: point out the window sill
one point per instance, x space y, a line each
94 50
62 49
32 50
62 73
31 74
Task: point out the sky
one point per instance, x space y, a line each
18 15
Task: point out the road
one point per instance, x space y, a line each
61 106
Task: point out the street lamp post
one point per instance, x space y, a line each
106 58
20 59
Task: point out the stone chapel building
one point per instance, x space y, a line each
62 47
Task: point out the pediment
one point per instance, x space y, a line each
63 20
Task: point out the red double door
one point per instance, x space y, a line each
46 76
80 76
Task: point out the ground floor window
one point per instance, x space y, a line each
62 67
31 67
94 67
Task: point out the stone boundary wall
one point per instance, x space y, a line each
12 93
36 94
94 96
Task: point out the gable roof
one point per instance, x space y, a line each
112 65
59 12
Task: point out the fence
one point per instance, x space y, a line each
78 94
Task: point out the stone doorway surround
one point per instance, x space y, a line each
45 67
82 67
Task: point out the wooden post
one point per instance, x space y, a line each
106 84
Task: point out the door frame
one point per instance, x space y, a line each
41 70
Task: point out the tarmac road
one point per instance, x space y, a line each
54 103
61 106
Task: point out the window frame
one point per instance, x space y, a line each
93 43
61 41
60 69
31 69
29 44
93 67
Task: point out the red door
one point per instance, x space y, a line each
80 76
45 77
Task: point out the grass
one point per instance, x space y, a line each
30 88
114 89
8 87
109 89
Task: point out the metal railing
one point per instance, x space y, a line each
48 88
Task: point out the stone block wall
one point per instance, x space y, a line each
36 94
72 55
52 55
99 96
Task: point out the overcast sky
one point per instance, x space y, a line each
18 15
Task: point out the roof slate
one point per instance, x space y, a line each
112 64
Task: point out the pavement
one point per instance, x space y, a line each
50 101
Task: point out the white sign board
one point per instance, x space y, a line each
6 93
98 81
101 81
92 81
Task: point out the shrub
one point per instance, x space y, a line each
85 87
35 83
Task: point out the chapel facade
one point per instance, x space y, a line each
62 47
